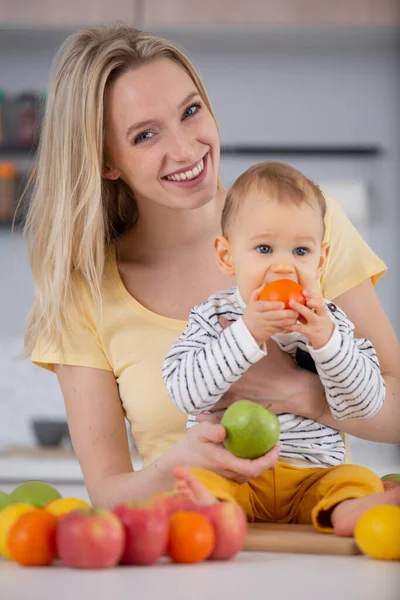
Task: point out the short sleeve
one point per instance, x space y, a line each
351 261
81 343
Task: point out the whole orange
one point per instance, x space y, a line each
282 290
32 539
8 517
191 537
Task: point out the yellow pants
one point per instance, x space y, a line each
290 494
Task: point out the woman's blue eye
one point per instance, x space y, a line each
300 251
264 249
142 137
191 110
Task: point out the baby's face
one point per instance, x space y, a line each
271 240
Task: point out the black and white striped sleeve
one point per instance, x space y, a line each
350 373
202 365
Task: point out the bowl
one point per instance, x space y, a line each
49 432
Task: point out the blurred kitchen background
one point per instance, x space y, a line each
313 82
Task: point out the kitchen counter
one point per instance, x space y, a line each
58 467
250 575
54 465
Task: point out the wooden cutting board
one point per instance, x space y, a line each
303 539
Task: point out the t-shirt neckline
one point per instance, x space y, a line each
138 307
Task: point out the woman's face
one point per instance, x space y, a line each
161 139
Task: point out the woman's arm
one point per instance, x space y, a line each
97 427
363 307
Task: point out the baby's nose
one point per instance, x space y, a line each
282 268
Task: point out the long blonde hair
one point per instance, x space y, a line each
75 214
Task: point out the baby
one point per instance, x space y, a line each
273 228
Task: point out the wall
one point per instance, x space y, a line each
283 89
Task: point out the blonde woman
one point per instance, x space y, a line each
126 204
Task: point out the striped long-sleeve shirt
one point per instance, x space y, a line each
204 362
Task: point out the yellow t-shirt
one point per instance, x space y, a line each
133 341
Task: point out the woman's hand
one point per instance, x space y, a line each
202 448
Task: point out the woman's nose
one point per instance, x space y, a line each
181 147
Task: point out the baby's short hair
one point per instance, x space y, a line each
282 181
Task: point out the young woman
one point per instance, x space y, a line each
126 204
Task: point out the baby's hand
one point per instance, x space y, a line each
316 323
263 319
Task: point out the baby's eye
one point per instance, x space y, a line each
300 251
264 249
143 137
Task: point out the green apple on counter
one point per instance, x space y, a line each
391 477
251 429
4 500
36 493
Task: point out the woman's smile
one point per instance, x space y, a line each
189 176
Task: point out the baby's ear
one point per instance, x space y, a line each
324 253
223 250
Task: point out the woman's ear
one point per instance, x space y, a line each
110 173
325 249
223 250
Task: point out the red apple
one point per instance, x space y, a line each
90 538
230 526
172 503
146 533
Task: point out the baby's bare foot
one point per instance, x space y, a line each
189 486
346 514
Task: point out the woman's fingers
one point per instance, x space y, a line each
242 469
211 432
213 456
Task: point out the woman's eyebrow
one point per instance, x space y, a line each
189 97
136 126
147 122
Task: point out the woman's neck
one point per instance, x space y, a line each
162 234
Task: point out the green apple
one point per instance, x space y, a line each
251 429
37 493
4 500
391 477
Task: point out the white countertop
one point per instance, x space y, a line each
250 575
57 468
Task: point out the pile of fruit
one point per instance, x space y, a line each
38 527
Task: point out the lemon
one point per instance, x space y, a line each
377 532
62 506
8 516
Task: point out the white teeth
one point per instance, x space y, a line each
188 174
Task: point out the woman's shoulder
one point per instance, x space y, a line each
351 260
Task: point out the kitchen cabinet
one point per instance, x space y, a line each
179 14
59 13
269 13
